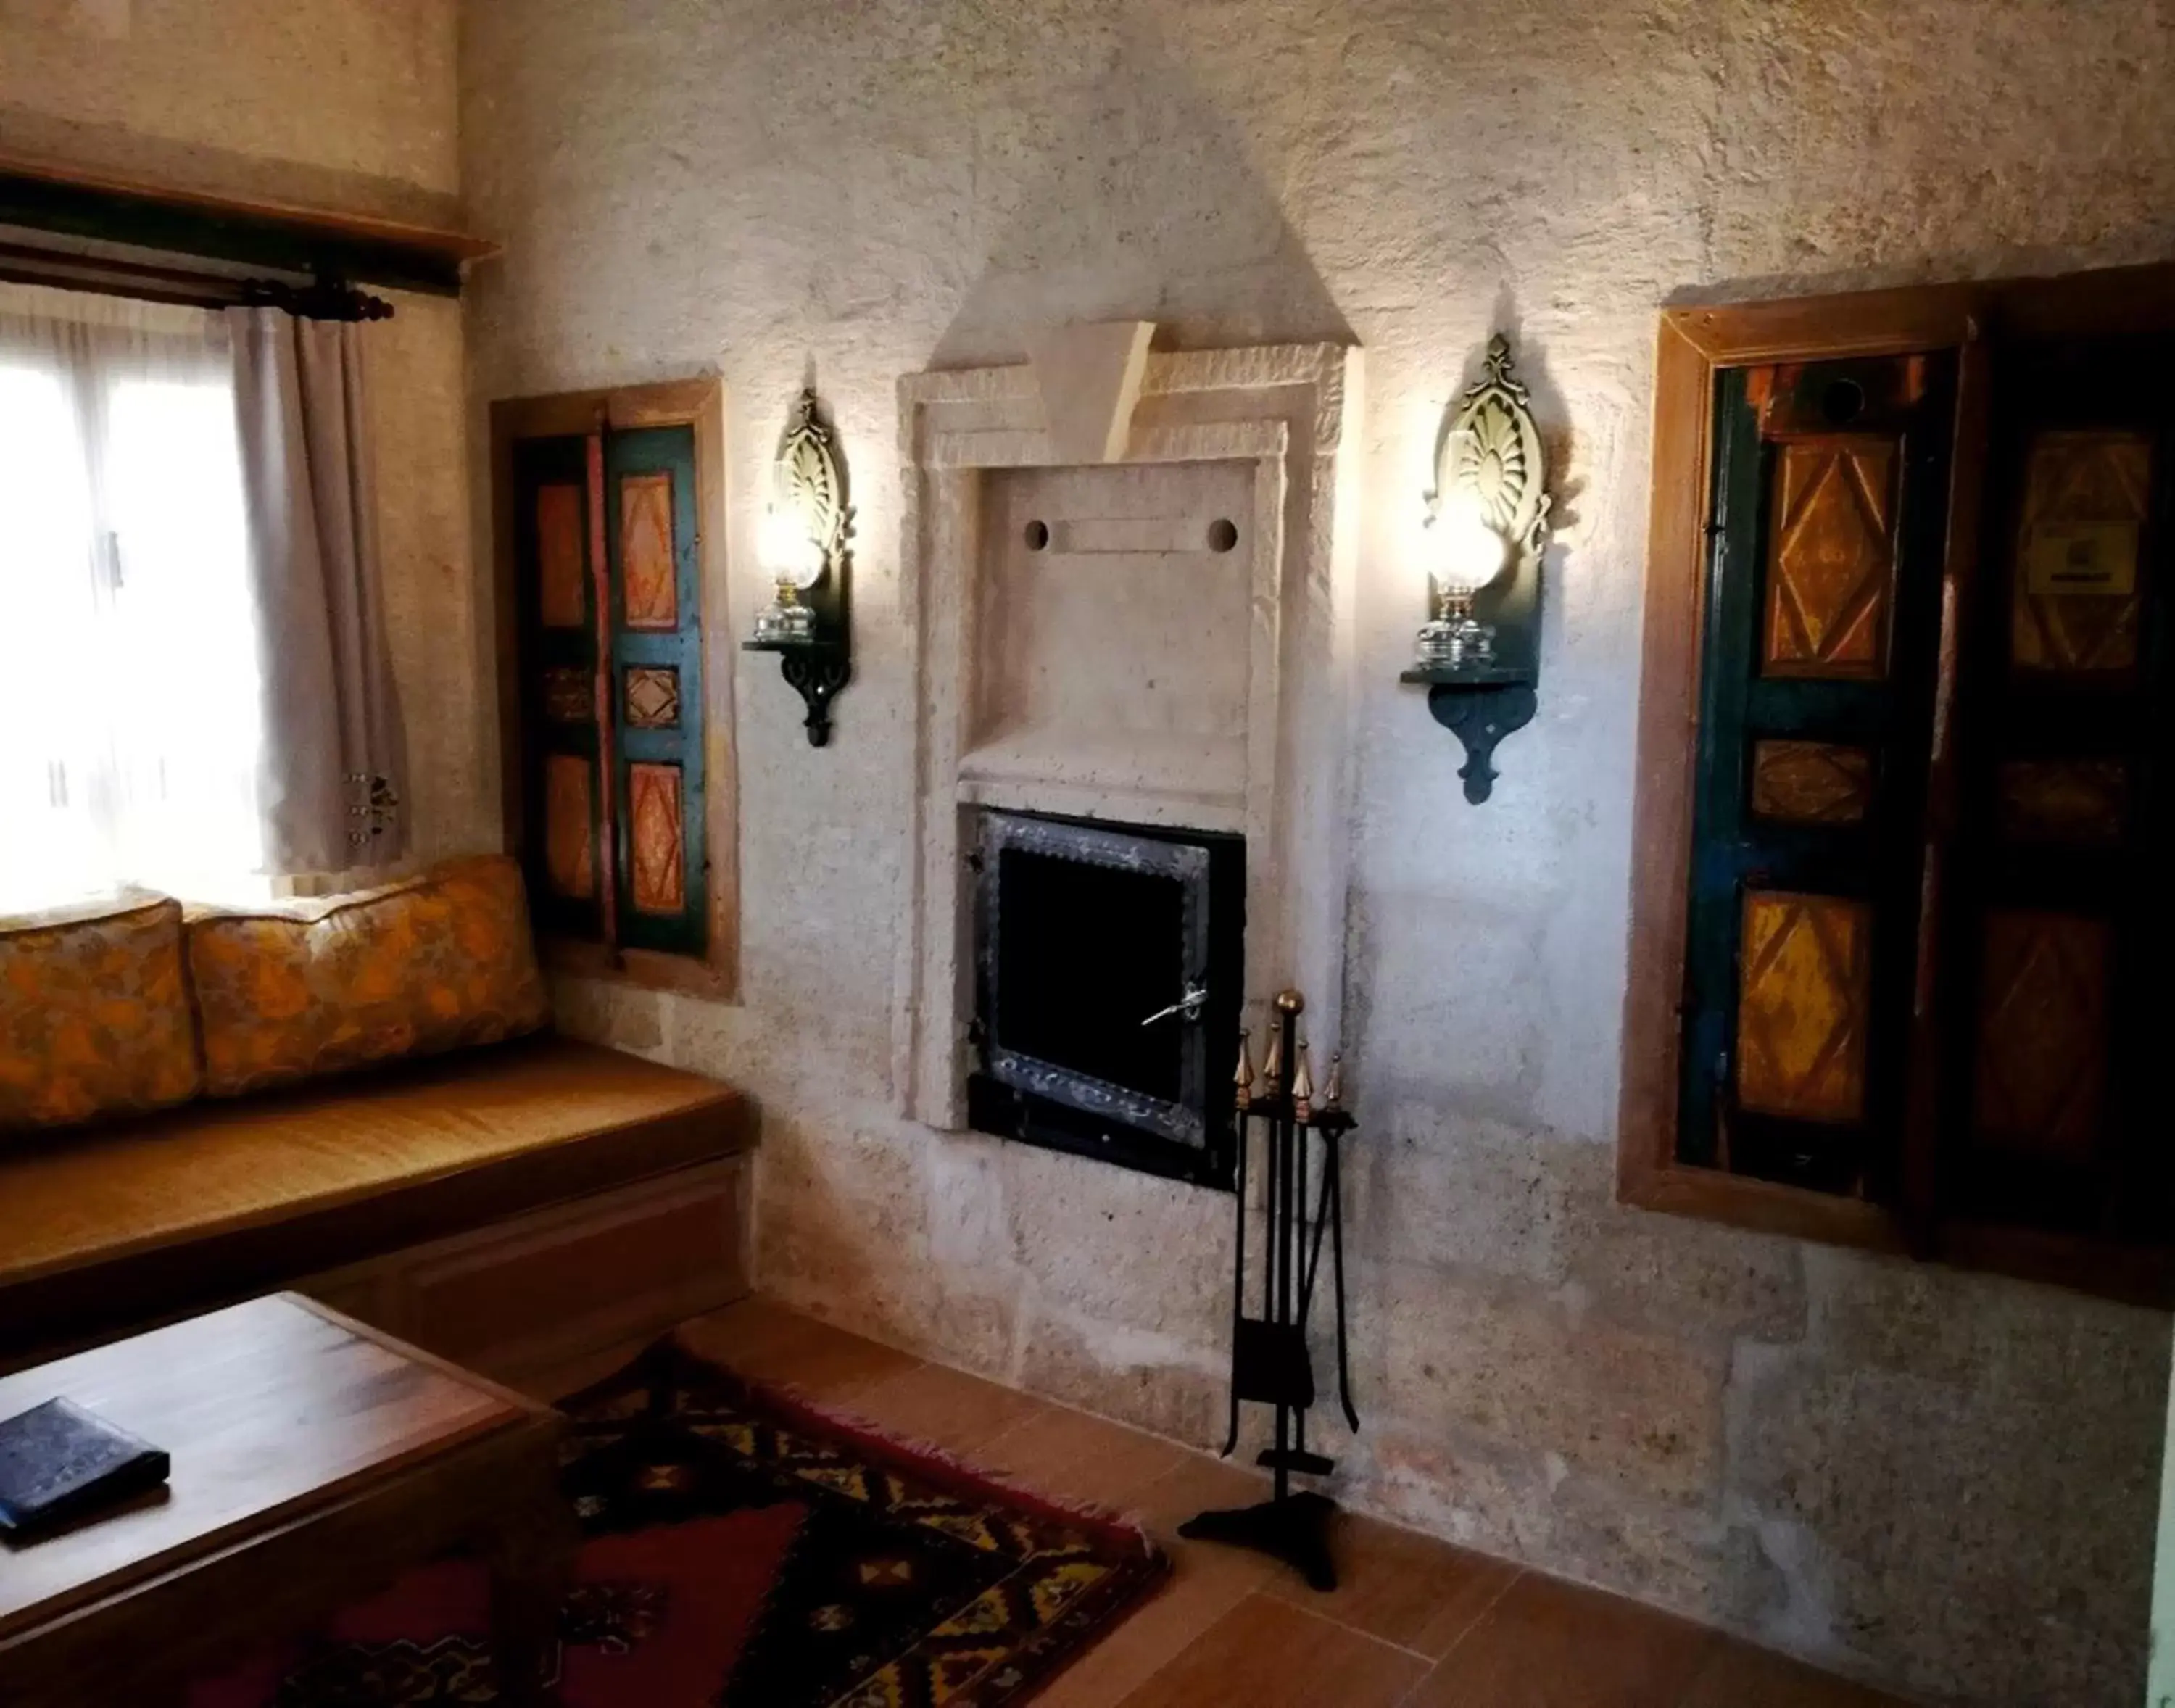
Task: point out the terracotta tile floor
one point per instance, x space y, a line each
1415 1621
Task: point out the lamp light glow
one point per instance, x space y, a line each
1466 553
1463 555
793 561
786 548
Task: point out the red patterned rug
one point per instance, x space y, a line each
742 1550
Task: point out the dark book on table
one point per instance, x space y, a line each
59 1462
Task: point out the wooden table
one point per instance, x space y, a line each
313 1460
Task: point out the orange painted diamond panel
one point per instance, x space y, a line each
649 579
2067 800
2076 595
1801 1014
1832 563
1811 782
660 861
2042 1052
569 831
652 699
562 574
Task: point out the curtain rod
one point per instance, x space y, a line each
321 299
73 202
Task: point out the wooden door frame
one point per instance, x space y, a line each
1694 344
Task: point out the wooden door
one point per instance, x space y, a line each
1821 617
657 693
563 751
608 589
2057 925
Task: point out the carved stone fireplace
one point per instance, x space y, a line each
1129 589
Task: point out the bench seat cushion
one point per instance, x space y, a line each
192 1205
438 962
94 1014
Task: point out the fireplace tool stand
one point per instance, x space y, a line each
1270 1362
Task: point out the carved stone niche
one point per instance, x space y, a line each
1143 617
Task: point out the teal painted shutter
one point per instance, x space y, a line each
1821 632
657 689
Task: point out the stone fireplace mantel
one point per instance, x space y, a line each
1043 689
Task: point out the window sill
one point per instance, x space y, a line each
1764 1207
644 969
2128 1274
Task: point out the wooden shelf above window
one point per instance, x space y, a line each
46 196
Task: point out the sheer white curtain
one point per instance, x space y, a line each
131 706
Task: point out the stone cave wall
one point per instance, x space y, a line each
1939 1481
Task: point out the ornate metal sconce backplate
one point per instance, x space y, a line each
1491 453
811 483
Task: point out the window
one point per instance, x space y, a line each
1906 798
618 770
128 669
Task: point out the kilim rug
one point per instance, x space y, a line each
743 1550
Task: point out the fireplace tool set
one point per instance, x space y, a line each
1270 1365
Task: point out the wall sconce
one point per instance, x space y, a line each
1479 652
803 547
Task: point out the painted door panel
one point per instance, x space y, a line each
555 589
1821 614
611 689
2059 921
657 687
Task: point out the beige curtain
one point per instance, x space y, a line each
333 777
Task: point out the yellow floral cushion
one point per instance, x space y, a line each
93 1013
436 963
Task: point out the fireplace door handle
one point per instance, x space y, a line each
1189 1005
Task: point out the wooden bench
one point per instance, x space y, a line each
510 1208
